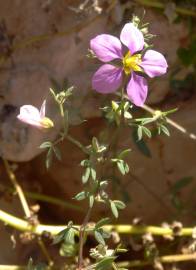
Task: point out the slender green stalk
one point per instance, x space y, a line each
77 143
169 121
81 238
23 225
25 205
12 267
53 200
135 263
163 259
159 5
18 188
172 123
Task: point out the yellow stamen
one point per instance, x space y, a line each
47 122
131 62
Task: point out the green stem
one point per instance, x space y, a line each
159 5
169 121
81 238
18 188
77 143
136 263
12 267
23 225
53 200
24 204
163 259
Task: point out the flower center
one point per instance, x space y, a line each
47 122
131 62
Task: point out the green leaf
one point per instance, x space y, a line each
119 204
81 196
86 175
147 132
181 183
49 157
139 133
165 130
102 222
105 263
124 153
60 236
93 173
91 200
85 163
69 236
68 250
141 145
47 144
99 238
114 209
122 166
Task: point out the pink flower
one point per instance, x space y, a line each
32 116
108 78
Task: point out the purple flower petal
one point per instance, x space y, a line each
29 115
154 63
106 47
132 37
107 79
137 89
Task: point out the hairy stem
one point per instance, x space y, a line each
77 143
25 205
23 225
18 188
159 5
81 238
137 263
163 259
169 121
12 267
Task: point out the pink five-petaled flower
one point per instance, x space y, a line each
32 116
108 78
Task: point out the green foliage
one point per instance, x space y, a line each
105 263
141 145
51 150
175 190
115 206
31 266
188 55
67 235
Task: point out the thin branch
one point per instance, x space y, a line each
18 189
81 237
136 263
77 143
51 200
172 123
163 259
169 121
23 225
159 5
12 267
25 206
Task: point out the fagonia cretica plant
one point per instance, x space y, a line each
128 63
